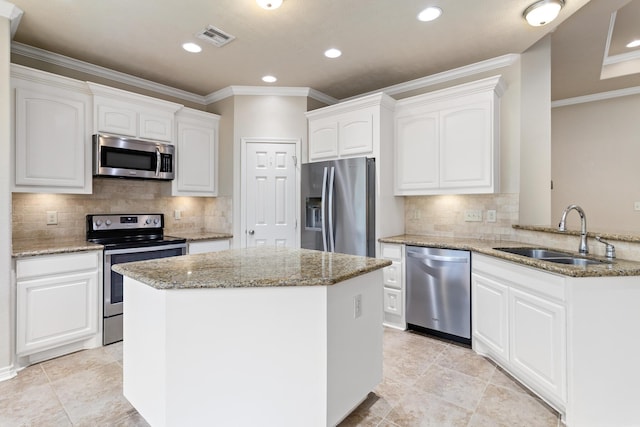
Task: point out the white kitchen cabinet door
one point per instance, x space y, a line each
323 139
52 140
466 147
490 320
119 119
393 278
355 133
417 152
57 300
196 154
205 246
447 141
130 114
538 341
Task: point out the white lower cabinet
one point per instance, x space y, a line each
58 301
519 320
204 246
394 287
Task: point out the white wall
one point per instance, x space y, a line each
263 117
6 318
535 141
595 156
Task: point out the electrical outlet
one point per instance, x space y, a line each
491 215
636 206
52 218
357 306
473 216
177 214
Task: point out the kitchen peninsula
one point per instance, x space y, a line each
258 336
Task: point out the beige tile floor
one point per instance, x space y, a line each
427 382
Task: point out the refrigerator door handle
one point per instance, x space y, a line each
331 191
323 210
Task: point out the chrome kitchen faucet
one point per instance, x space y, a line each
584 249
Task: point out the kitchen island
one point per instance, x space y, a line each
246 337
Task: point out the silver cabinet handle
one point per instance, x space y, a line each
251 232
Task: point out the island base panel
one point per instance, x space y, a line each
252 356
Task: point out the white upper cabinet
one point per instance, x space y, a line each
347 129
447 142
197 153
51 134
129 114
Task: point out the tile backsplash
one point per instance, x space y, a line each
117 196
445 215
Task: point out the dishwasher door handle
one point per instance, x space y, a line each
437 257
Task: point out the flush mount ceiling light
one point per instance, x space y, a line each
269 79
191 47
542 12
429 14
269 4
332 53
634 43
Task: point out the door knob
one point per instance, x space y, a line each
251 232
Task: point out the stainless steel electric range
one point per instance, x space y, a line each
127 238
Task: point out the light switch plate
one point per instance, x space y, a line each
491 215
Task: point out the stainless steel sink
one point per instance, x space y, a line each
535 252
549 255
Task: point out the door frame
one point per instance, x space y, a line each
240 216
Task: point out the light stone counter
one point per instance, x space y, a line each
33 247
195 236
252 267
616 267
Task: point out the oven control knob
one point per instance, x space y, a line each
147 221
98 223
156 221
108 222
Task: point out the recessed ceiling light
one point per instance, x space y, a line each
269 79
269 4
429 14
332 53
191 47
634 43
542 12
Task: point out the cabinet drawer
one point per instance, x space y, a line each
391 251
56 264
392 275
393 301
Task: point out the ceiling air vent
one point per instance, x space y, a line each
215 36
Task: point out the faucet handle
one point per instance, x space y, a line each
609 248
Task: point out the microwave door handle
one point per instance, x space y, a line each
331 192
158 160
323 215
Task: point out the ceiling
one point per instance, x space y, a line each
383 43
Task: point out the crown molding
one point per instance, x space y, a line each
13 13
96 70
269 91
596 97
450 75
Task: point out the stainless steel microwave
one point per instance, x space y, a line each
117 156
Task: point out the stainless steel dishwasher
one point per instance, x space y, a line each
439 291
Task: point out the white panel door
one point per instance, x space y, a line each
270 199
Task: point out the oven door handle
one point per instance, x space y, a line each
144 249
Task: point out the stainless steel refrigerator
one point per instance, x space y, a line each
338 206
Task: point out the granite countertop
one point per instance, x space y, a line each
32 247
251 267
194 236
618 267
622 236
